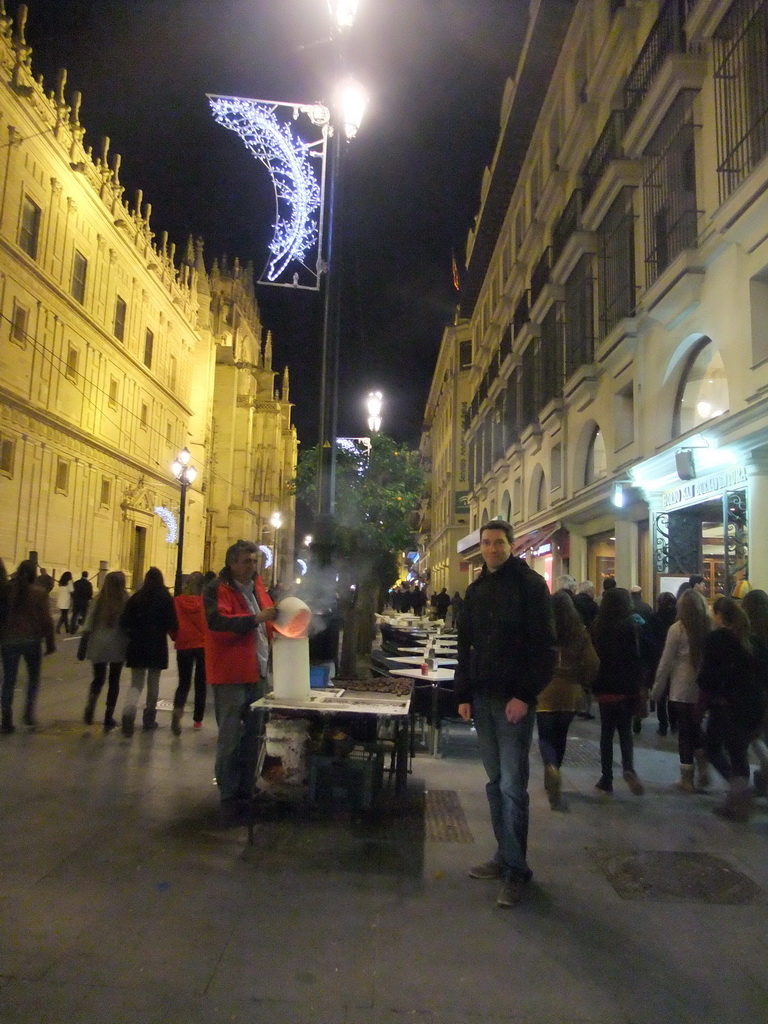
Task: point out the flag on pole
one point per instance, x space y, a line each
455 271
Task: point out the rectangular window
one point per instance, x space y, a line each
556 468
79 271
114 386
19 324
616 262
144 414
173 370
7 455
106 491
73 358
149 344
169 432
62 476
465 355
121 309
29 229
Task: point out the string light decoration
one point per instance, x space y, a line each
267 552
170 523
274 134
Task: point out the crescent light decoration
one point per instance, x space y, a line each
276 134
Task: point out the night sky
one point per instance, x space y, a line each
435 70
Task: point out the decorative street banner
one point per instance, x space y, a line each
290 139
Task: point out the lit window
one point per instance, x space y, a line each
29 229
79 271
19 324
703 391
62 476
73 358
121 309
149 344
7 455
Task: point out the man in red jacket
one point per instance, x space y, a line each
237 610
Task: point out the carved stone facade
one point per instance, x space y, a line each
114 355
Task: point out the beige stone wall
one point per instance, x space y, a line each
108 359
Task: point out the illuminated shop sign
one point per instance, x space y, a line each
693 491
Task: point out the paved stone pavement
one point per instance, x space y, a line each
123 900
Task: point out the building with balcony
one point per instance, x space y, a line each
617 292
443 449
114 355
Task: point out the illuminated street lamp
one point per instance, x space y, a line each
346 115
185 474
373 404
276 522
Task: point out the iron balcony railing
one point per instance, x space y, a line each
608 147
540 274
568 223
666 37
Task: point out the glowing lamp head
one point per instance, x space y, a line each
351 100
276 520
293 617
343 13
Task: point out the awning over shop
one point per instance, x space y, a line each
531 542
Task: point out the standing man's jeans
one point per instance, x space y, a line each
138 677
504 749
237 746
32 652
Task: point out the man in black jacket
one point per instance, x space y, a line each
506 654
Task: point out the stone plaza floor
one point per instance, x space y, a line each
122 899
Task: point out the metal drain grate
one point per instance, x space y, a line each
444 818
673 877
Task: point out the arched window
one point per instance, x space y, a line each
703 391
595 468
506 507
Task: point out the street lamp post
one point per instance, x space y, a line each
276 521
185 474
346 114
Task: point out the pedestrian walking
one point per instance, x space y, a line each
574 672
190 651
755 605
506 653
104 643
64 601
676 675
734 700
82 595
148 618
26 625
237 612
656 633
617 684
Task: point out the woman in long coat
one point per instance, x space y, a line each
106 643
148 619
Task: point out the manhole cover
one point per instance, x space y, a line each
444 818
674 877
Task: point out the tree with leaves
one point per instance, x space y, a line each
378 488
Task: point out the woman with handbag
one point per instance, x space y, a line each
574 672
149 617
104 642
678 668
617 684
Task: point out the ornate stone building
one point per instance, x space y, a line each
114 355
617 290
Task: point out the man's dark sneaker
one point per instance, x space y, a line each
128 725
604 786
487 872
109 724
512 892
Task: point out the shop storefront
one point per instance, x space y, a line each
701 526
